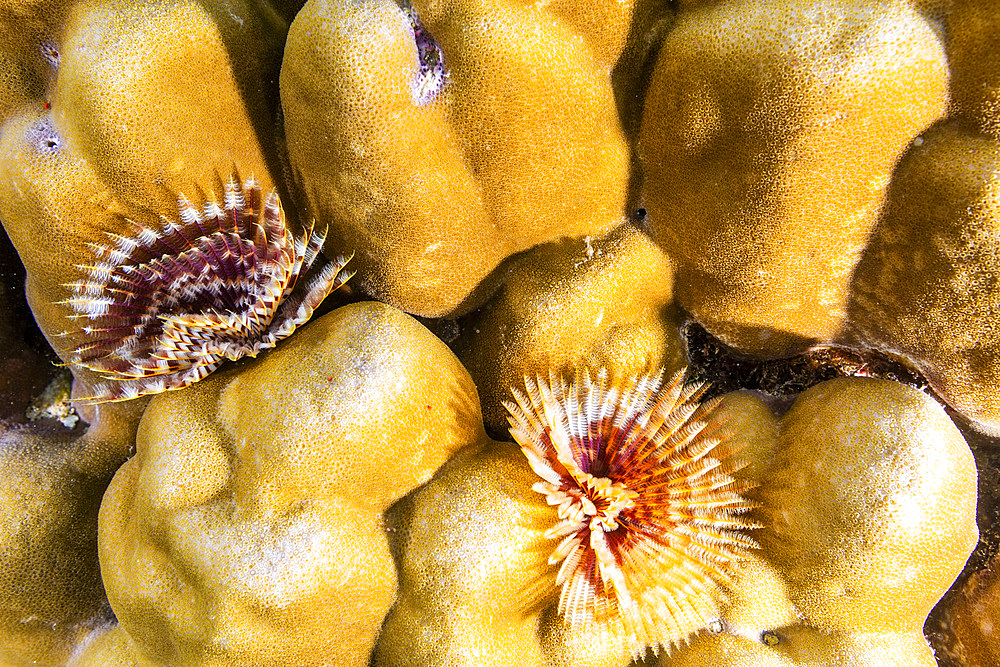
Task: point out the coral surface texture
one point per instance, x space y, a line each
499 333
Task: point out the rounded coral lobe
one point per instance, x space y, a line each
651 521
163 308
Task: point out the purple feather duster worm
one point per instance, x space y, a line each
165 307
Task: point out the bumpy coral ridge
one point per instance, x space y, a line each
649 514
165 308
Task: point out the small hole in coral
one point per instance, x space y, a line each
44 136
430 76
49 52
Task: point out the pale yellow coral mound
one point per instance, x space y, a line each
248 527
440 139
867 501
132 85
928 287
867 514
602 302
769 135
50 585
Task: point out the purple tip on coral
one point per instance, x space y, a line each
163 308
431 76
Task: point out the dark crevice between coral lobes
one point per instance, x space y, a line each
711 360
258 84
938 628
28 363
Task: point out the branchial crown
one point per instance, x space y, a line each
650 518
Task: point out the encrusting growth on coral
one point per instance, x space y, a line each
650 522
431 75
163 308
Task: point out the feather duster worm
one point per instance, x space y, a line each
650 523
165 307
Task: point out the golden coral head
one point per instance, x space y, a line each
651 521
165 307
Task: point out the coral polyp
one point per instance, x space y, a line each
651 521
165 307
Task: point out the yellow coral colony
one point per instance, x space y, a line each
247 529
769 135
94 138
441 139
604 304
867 500
164 308
649 516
